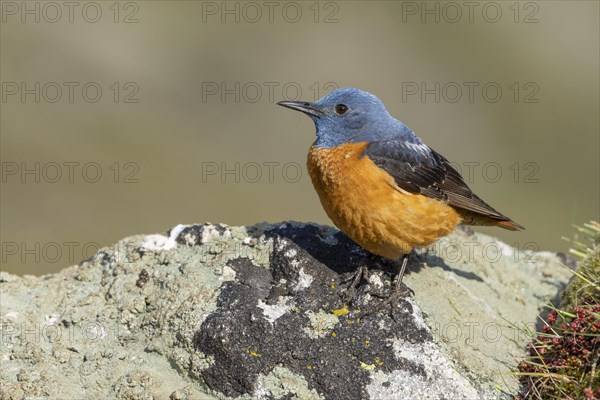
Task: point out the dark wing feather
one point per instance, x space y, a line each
418 169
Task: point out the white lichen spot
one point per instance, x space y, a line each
209 232
382 325
227 273
249 241
281 244
541 259
375 280
51 319
321 324
506 250
176 231
417 314
291 253
273 312
227 232
304 280
544 256
159 242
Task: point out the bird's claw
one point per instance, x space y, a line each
356 278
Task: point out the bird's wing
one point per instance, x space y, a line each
418 169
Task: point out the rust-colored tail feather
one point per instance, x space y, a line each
471 218
510 225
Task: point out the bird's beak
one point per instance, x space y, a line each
303 106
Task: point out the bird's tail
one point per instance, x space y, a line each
471 218
510 225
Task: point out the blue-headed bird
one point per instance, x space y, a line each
380 184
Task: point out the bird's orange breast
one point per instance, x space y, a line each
365 203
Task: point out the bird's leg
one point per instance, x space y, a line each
397 293
361 273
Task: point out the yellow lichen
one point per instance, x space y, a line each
341 311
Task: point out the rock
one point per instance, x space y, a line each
212 311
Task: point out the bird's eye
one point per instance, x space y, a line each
341 109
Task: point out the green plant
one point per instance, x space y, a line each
564 356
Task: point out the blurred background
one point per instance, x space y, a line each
122 118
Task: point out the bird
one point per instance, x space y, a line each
380 184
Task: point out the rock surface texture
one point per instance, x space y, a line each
214 312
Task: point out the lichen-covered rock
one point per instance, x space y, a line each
211 311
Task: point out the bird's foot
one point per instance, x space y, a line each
355 279
396 295
361 275
390 300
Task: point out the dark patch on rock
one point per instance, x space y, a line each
303 280
192 235
467 230
142 278
567 260
345 256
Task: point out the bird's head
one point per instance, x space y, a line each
349 115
